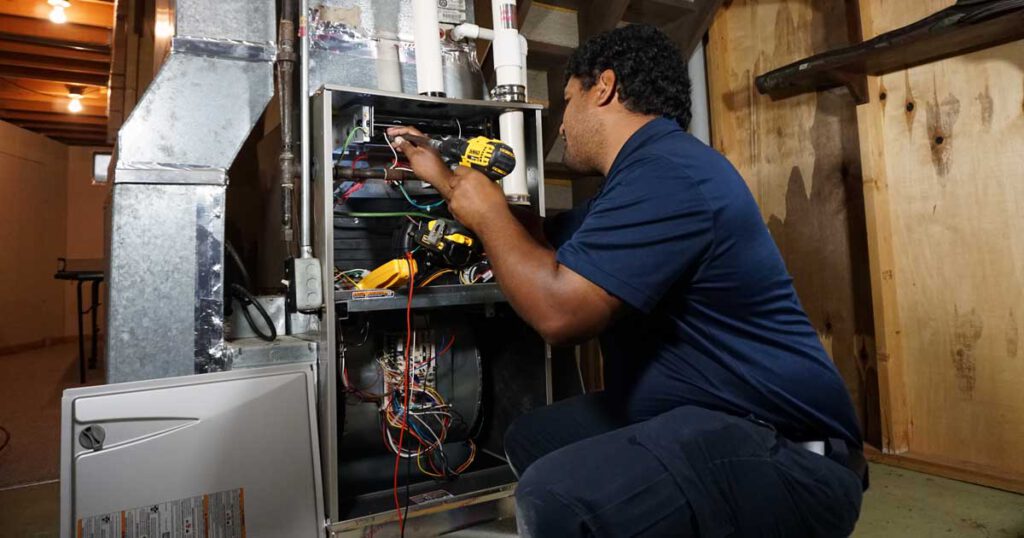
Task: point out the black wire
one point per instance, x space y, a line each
246 281
6 439
247 299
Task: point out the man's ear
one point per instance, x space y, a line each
606 88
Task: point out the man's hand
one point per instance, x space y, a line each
425 161
472 198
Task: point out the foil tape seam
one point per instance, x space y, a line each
248 51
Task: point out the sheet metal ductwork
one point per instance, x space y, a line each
166 300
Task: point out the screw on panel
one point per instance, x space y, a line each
92 438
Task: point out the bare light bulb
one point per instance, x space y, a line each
75 104
57 14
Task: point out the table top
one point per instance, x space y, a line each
80 269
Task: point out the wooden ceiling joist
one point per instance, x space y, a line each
39 59
67 128
96 14
53 52
55 106
65 77
51 117
81 46
44 29
52 62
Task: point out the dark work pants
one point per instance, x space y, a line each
688 472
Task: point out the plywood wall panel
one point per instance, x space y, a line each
800 158
953 135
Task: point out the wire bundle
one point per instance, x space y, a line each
427 414
342 193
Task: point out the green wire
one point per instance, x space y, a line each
374 214
416 205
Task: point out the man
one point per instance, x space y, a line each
723 416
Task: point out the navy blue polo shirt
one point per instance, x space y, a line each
714 320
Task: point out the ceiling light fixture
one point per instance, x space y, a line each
57 14
75 94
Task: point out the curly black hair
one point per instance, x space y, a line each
651 71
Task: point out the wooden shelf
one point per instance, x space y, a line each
967 26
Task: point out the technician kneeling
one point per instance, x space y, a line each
723 415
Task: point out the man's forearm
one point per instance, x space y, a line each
527 271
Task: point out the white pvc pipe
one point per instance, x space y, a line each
508 55
472 31
429 75
510 70
525 49
389 68
512 133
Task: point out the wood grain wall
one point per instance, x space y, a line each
951 135
801 160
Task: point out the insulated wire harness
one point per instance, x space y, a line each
343 194
431 409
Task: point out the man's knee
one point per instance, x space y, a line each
517 444
540 512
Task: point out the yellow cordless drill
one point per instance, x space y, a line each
488 155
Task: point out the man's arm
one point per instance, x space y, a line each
533 223
562 306
558 303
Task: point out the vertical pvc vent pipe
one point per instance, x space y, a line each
427 33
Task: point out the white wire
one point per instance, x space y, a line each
393 151
459 123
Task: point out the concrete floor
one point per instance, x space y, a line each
900 503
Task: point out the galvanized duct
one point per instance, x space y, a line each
166 299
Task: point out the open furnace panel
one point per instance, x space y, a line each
473 366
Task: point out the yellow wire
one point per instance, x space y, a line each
353 282
435 276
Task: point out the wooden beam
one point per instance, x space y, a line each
78 46
44 50
596 17
75 142
688 30
51 117
564 4
52 62
46 30
88 14
892 391
657 12
68 128
88 79
58 106
959 29
544 56
964 471
76 135
46 91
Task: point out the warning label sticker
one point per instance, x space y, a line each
215 515
451 11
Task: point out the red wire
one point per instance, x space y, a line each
435 357
405 382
